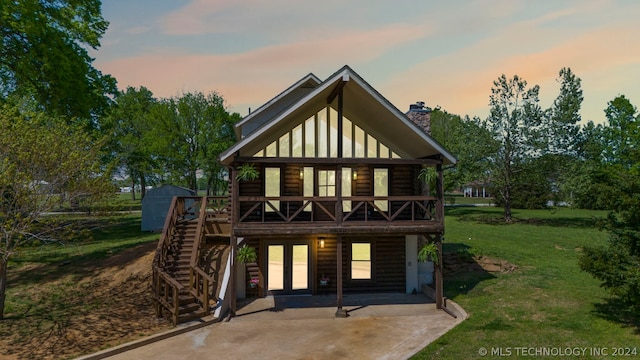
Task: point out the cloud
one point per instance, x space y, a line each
256 75
137 30
227 16
461 81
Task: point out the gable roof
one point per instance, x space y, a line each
363 105
272 107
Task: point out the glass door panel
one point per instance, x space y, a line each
300 267
275 269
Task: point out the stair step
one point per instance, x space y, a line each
180 263
182 318
189 308
184 300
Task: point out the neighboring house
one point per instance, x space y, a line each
155 205
337 196
477 189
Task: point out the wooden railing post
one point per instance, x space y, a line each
205 295
440 195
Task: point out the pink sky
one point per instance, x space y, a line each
444 54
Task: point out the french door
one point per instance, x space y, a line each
288 268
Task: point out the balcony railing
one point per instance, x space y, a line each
326 210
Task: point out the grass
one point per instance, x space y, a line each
451 199
547 303
108 235
59 302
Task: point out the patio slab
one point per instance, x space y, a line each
379 326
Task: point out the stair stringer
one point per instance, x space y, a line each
223 300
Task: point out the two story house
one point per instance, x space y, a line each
338 205
338 194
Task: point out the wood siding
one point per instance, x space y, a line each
388 265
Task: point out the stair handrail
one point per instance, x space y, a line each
165 288
195 274
167 231
202 217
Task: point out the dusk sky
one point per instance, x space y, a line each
445 53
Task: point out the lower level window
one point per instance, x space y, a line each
361 261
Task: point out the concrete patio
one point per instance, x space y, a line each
379 326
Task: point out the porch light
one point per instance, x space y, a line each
301 173
321 242
355 174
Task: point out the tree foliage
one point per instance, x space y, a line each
43 54
605 153
469 141
622 135
515 122
41 160
186 134
617 265
564 116
127 125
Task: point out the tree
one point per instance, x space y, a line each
40 158
43 55
560 158
617 265
190 132
217 136
469 141
622 136
564 115
128 125
515 122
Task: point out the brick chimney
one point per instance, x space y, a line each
421 116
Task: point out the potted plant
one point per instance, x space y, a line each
324 280
427 257
428 252
254 282
246 254
247 172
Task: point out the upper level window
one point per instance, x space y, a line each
381 187
318 135
326 183
272 187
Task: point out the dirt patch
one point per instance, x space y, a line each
98 305
454 263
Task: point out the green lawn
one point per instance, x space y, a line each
547 303
80 296
107 235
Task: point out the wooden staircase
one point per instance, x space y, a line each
186 279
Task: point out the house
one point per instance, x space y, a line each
337 197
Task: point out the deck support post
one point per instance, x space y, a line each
439 236
233 303
340 312
438 274
233 293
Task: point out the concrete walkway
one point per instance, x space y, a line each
379 326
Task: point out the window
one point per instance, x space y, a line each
307 184
272 187
361 261
381 187
297 141
346 188
317 136
326 183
